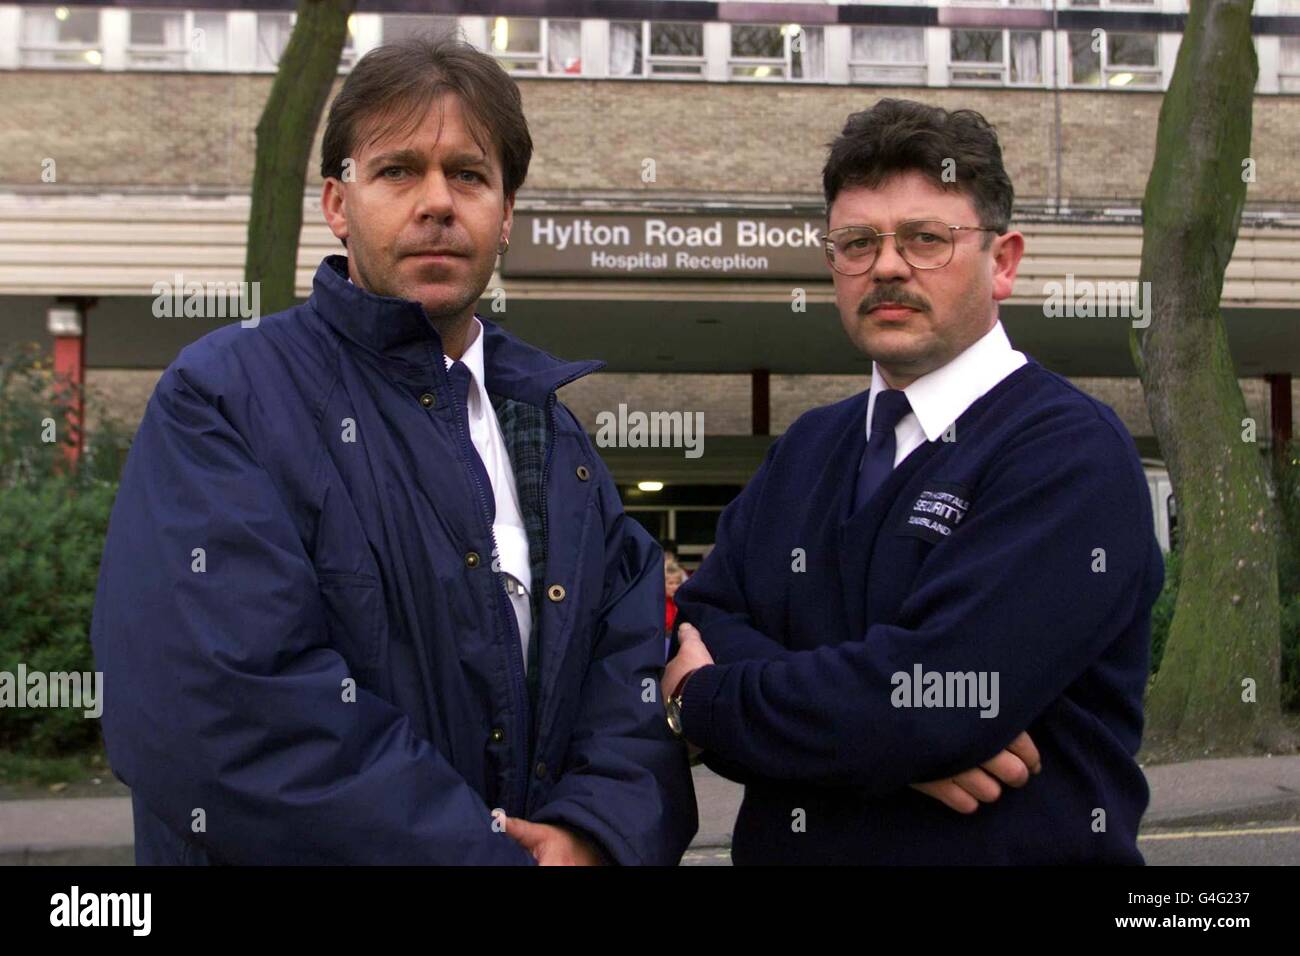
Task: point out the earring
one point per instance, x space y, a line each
504 247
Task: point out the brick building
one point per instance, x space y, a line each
128 135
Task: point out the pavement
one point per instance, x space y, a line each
1200 793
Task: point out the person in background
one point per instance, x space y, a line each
670 554
674 576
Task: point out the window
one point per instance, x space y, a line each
999 57
527 45
273 31
517 43
676 49
348 55
758 52
771 52
1288 65
1115 60
970 47
157 41
1110 4
66 37
564 47
888 55
399 26
170 40
625 54
208 41
807 52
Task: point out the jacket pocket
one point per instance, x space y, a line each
354 614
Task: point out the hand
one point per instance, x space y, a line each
552 846
966 791
691 654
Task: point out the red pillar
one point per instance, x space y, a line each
1279 411
66 323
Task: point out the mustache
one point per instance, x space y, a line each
896 295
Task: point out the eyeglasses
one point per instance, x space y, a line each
923 244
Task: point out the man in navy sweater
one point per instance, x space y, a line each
921 572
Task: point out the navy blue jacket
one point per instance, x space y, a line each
321 463
983 554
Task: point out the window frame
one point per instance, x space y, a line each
1288 81
1012 4
80 47
785 62
1150 5
347 57
650 60
186 50
1005 81
922 66
430 17
1106 69
258 66
542 56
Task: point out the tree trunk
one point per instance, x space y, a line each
285 134
1224 637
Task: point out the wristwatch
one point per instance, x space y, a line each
674 705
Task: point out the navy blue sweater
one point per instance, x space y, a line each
1025 547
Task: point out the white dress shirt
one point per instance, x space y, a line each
508 527
938 398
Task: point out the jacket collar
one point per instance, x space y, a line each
398 329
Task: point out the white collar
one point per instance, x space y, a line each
940 397
473 354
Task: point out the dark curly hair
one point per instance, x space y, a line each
896 136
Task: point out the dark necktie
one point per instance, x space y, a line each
460 382
878 459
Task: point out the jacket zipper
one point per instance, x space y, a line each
514 661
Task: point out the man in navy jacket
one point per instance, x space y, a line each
923 571
369 594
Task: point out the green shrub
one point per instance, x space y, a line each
1291 653
53 519
51 538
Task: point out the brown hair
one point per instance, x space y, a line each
896 136
393 86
